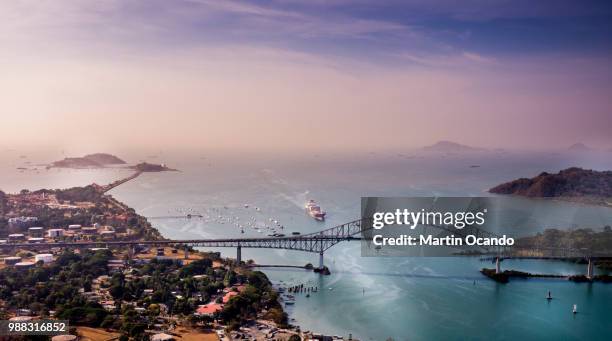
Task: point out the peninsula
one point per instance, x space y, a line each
137 291
572 184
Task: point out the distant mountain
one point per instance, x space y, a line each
569 183
450 147
97 160
580 147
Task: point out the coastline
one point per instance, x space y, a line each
146 231
155 231
296 312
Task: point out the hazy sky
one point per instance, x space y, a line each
304 74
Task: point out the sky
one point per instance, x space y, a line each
304 75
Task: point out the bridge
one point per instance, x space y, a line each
321 241
317 242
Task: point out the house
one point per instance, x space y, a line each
208 309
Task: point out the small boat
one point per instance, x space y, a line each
290 303
246 205
307 295
575 309
295 233
549 297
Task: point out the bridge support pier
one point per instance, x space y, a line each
186 252
321 260
239 254
497 266
590 269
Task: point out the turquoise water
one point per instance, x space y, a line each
373 298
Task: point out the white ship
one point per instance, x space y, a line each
314 210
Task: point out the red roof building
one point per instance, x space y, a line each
208 309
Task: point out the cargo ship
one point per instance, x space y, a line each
314 210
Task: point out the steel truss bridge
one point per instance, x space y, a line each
321 241
317 242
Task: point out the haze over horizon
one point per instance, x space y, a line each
298 75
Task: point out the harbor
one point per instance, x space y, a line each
388 288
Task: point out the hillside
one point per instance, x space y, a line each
97 160
569 183
104 159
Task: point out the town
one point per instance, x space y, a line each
117 292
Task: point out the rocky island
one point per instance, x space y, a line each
145 167
572 184
97 160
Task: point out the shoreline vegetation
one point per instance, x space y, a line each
506 275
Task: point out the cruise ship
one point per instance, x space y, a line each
314 210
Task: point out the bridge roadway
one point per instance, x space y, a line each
316 242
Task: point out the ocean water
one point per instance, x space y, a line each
407 298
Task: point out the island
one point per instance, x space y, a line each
450 147
151 167
580 147
572 184
97 160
